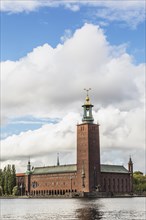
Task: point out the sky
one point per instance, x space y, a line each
51 51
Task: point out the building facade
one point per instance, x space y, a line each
85 177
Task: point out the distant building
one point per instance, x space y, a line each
85 177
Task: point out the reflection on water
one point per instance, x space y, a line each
113 209
88 213
73 209
90 209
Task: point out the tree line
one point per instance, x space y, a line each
8 180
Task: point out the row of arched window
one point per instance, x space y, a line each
51 192
53 183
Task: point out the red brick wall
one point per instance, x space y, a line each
115 182
88 156
53 183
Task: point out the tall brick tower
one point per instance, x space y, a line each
88 150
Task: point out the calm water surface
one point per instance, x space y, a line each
73 209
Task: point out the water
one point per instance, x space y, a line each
73 209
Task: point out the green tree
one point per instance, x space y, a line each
8 179
5 181
139 182
1 174
1 191
13 176
138 173
1 180
15 191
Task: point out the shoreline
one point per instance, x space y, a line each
69 197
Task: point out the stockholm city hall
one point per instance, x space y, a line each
85 178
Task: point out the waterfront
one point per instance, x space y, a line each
73 209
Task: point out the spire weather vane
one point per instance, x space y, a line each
87 90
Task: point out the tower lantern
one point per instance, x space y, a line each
87 114
28 166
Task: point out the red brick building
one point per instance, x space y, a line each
20 182
85 177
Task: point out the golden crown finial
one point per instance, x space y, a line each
87 97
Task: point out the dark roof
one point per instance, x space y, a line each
73 168
55 169
113 169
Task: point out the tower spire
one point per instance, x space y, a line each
28 165
87 115
87 90
58 163
130 165
130 169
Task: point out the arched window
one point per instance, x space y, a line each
114 185
118 185
122 185
109 185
